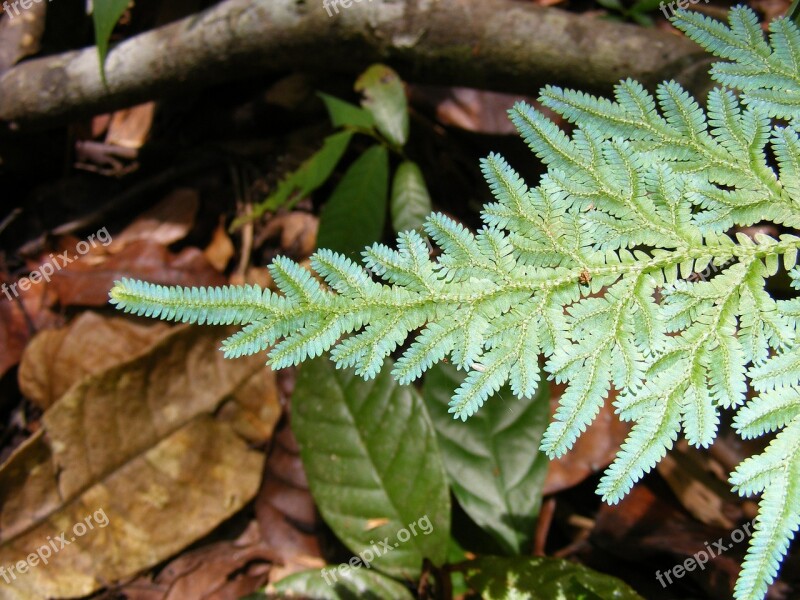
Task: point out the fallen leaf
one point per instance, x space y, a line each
220 250
297 230
140 441
14 331
87 285
221 571
20 318
707 498
56 359
21 32
166 223
656 534
285 510
130 127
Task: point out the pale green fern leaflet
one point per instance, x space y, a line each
592 269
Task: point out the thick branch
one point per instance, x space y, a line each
504 45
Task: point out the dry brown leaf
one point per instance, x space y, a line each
166 223
221 571
285 509
20 318
298 232
220 251
706 497
481 111
255 276
21 32
656 533
56 359
130 127
14 331
84 284
154 505
137 440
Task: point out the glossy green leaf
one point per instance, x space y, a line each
340 582
495 467
410 203
309 176
355 214
105 14
344 114
385 98
496 578
373 466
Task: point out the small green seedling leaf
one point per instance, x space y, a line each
309 176
411 203
344 114
385 98
106 14
355 214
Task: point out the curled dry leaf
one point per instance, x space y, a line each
297 230
141 440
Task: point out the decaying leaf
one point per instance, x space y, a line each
55 359
154 445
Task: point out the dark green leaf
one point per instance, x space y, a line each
355 214
105 14
496 578
647 5
411 203
348 584
344 114
373 466
385 98
611 4
309 176
495 467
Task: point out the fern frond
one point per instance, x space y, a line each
617 270
776 475
226 305
768 74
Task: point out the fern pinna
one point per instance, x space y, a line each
592 268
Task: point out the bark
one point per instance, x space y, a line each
503 45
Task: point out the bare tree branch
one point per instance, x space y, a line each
504 45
